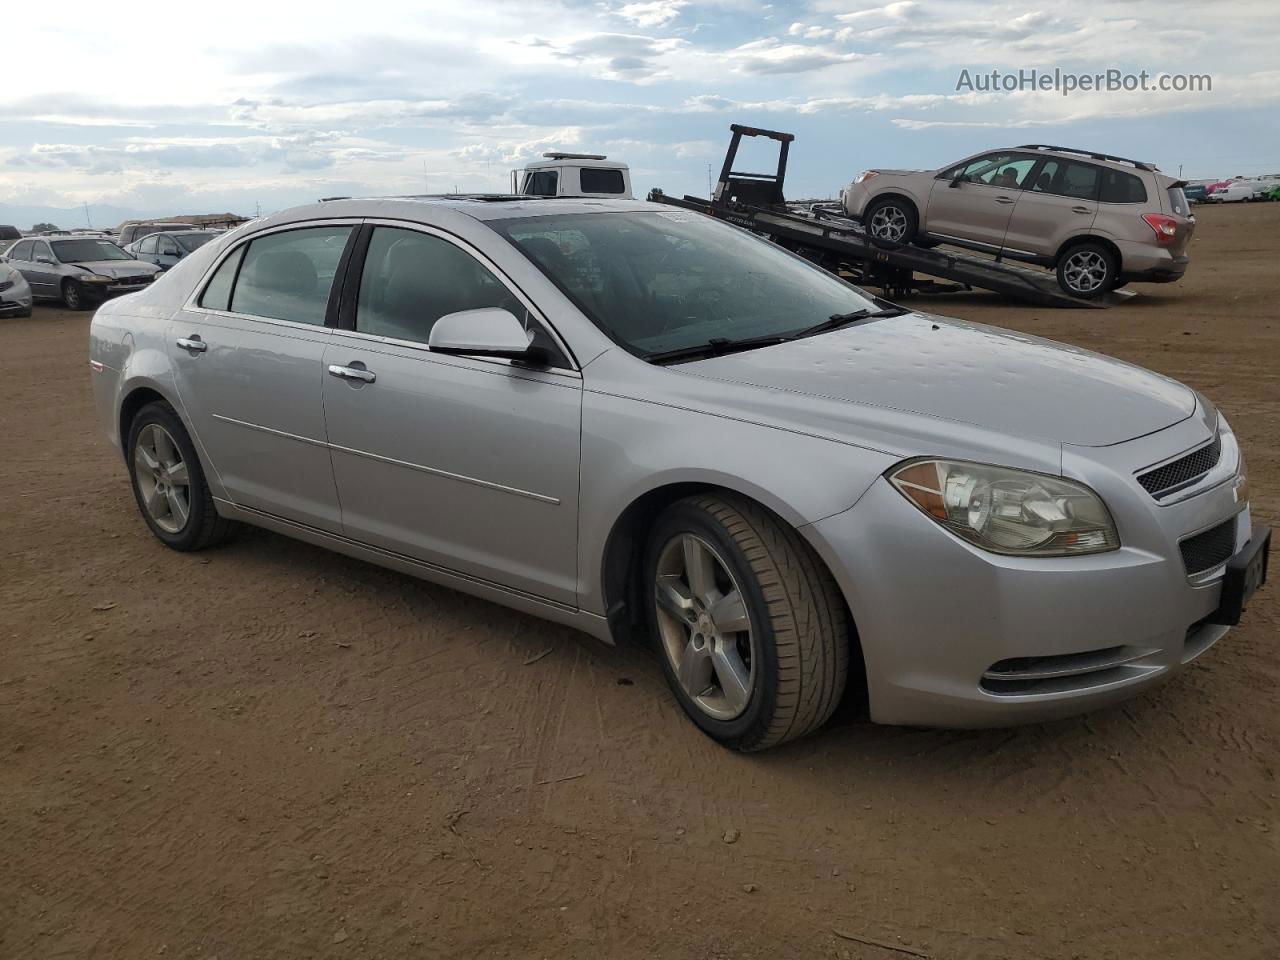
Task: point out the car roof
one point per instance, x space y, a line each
433 209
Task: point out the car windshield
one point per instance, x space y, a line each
659 282
85 251
192 241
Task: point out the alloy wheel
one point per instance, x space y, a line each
71 295
162 478
889 223
1085 271
705 628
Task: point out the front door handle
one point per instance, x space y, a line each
1081 210
193 343
1005 200
351 373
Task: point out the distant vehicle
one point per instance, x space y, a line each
6 244
9 233
1099 220
1214 187
77 271
575 175
1195 192
167 248
15 292
1272 193
134 230
1237 191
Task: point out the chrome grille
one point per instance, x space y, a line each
1181 472
1209 549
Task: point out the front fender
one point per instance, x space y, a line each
631 448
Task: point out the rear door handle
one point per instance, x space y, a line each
351 373
1005 200
193 343
1081 210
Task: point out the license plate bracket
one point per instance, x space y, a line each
1244 574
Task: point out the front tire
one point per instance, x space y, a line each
73 295
169 483
750 627
892 220
1087 271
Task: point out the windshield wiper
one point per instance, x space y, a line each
715 347
837 320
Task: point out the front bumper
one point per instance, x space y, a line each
954 636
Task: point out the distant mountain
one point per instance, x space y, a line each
66 218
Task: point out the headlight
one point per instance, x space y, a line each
93 278
864 176
1008 511
1242 481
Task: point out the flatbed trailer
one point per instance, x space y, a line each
819 232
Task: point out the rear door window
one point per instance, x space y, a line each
289 275
1066 178
1121 187
217 294
594 180
21 251
147 245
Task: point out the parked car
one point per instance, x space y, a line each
15 293
1272 193
167 248
1195 192
132 231
1099 220
652 425
79 272
8 233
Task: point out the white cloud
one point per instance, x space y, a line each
652 13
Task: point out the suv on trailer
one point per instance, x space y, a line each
1099 220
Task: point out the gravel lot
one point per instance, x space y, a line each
272 751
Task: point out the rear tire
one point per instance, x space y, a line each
1087 271
169 483
767 667
892 220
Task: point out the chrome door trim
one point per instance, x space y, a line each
463 478
515 368
270 430
421 468
318 328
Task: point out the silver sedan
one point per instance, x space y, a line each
656 427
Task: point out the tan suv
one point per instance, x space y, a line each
1099 220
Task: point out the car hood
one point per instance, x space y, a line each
968 373
117 268
899 173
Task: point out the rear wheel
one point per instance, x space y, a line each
750 626
1087 271
169 483
891 219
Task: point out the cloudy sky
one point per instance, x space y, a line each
239 105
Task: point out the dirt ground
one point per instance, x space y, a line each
271 751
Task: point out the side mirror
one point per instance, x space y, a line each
486 332
45 260
957 180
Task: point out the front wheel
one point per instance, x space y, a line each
750 627
169 483
1087 271
73 295
892 220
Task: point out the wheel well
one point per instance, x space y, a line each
902 197
134 402
624 557
1077 241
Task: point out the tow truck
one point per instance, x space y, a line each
820 232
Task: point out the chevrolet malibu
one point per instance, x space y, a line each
653 426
